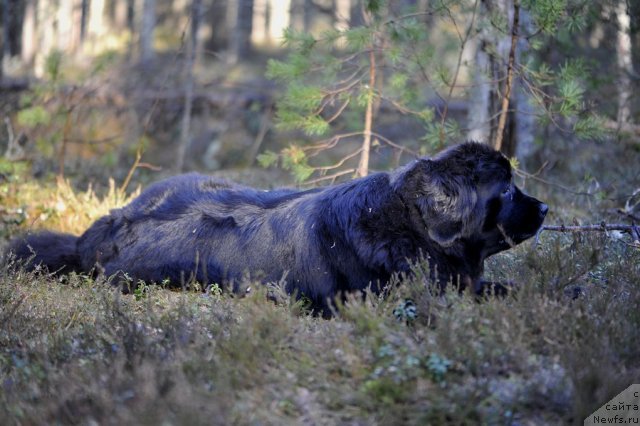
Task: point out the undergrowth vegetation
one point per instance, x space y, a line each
58 205
73 350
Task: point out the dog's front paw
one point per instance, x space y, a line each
491 288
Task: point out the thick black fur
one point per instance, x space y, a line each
456 209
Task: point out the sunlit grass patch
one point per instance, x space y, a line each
58 206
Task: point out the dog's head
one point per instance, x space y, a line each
466 193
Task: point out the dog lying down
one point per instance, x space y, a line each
456 209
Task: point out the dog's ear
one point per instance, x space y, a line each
445 199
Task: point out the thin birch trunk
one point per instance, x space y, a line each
29 36
478 117
363 167
525 113
183 144
147 23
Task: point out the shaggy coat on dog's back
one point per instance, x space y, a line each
457 209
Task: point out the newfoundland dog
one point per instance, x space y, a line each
455 209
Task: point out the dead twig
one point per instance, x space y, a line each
633 230
339 164
331 178
133 168
526 175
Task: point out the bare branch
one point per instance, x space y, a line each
339 111
408 16
109 140
603 227
346 84
133 168
339 163
331 178
394 145
463 43
314 150
149 166
526 175
632 230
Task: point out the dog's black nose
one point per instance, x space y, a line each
544 209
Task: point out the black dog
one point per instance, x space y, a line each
456 209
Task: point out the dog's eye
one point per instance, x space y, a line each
508 192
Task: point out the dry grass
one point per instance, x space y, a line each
55 205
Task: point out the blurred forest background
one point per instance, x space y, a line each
99 97
319 87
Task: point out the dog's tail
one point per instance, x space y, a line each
55 251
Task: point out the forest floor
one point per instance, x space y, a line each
78 352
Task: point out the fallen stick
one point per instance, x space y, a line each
633 230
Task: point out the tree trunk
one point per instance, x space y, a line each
6 9
279 20
357 17
147 21
479 123
120 14
259 21
625 64
524 115
301 15
183 146
240 14
64 25
483 98
217 17
96 26
363 167
508 84
198 22
45 34
29 33
490 115
341 14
